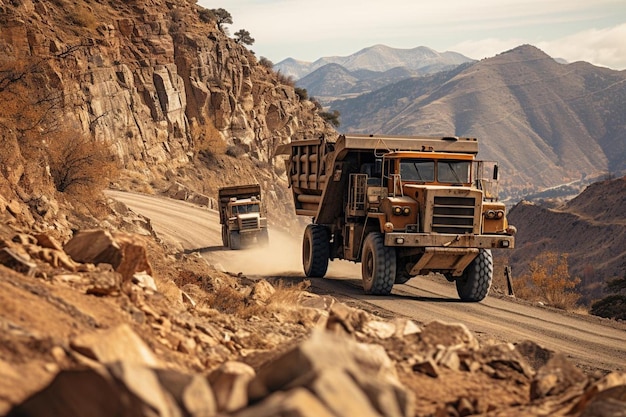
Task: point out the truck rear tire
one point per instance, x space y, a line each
474 284
378 265
315 250
235 240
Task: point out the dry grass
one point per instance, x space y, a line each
227 294
207 139
287 296
134 181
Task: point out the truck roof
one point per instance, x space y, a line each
390 143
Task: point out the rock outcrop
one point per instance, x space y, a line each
157 83
153 81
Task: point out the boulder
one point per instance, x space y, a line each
125 252
113 345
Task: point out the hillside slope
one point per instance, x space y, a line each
547 123
591 229
156 82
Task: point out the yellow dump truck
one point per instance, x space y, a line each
401 206
242 216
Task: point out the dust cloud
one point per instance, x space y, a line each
282 257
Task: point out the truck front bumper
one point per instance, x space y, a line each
416 240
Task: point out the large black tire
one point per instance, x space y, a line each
474 284
315 250
378 265
224 235
235 240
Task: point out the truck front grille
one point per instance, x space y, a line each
453 214
250 223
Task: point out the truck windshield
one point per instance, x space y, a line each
454 172
247 208
417 170
426 170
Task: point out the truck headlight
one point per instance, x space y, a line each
397 210
406 211
490 214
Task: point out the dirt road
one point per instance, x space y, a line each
590 342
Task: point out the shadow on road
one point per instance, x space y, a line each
353 288
427 299
206 249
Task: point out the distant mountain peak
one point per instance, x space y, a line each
378 58
528 51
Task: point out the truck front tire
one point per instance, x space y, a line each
224 235
315 250
474 284
402 275
235 240
378 265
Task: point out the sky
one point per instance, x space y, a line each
574 30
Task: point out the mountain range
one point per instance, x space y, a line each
377 58
546 122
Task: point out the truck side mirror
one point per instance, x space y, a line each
495 172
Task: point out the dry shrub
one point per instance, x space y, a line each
80 167
285 79
229 300
265 62
235 151
82 16
207 139
287 296
549 281
237 301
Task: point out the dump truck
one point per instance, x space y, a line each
242 216
402 206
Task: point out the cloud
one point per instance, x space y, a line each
601 47
308 30
605 47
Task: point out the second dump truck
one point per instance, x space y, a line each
401 206
242 216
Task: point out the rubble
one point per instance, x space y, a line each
185 358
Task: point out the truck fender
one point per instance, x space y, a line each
373 223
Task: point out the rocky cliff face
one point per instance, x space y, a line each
152 80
